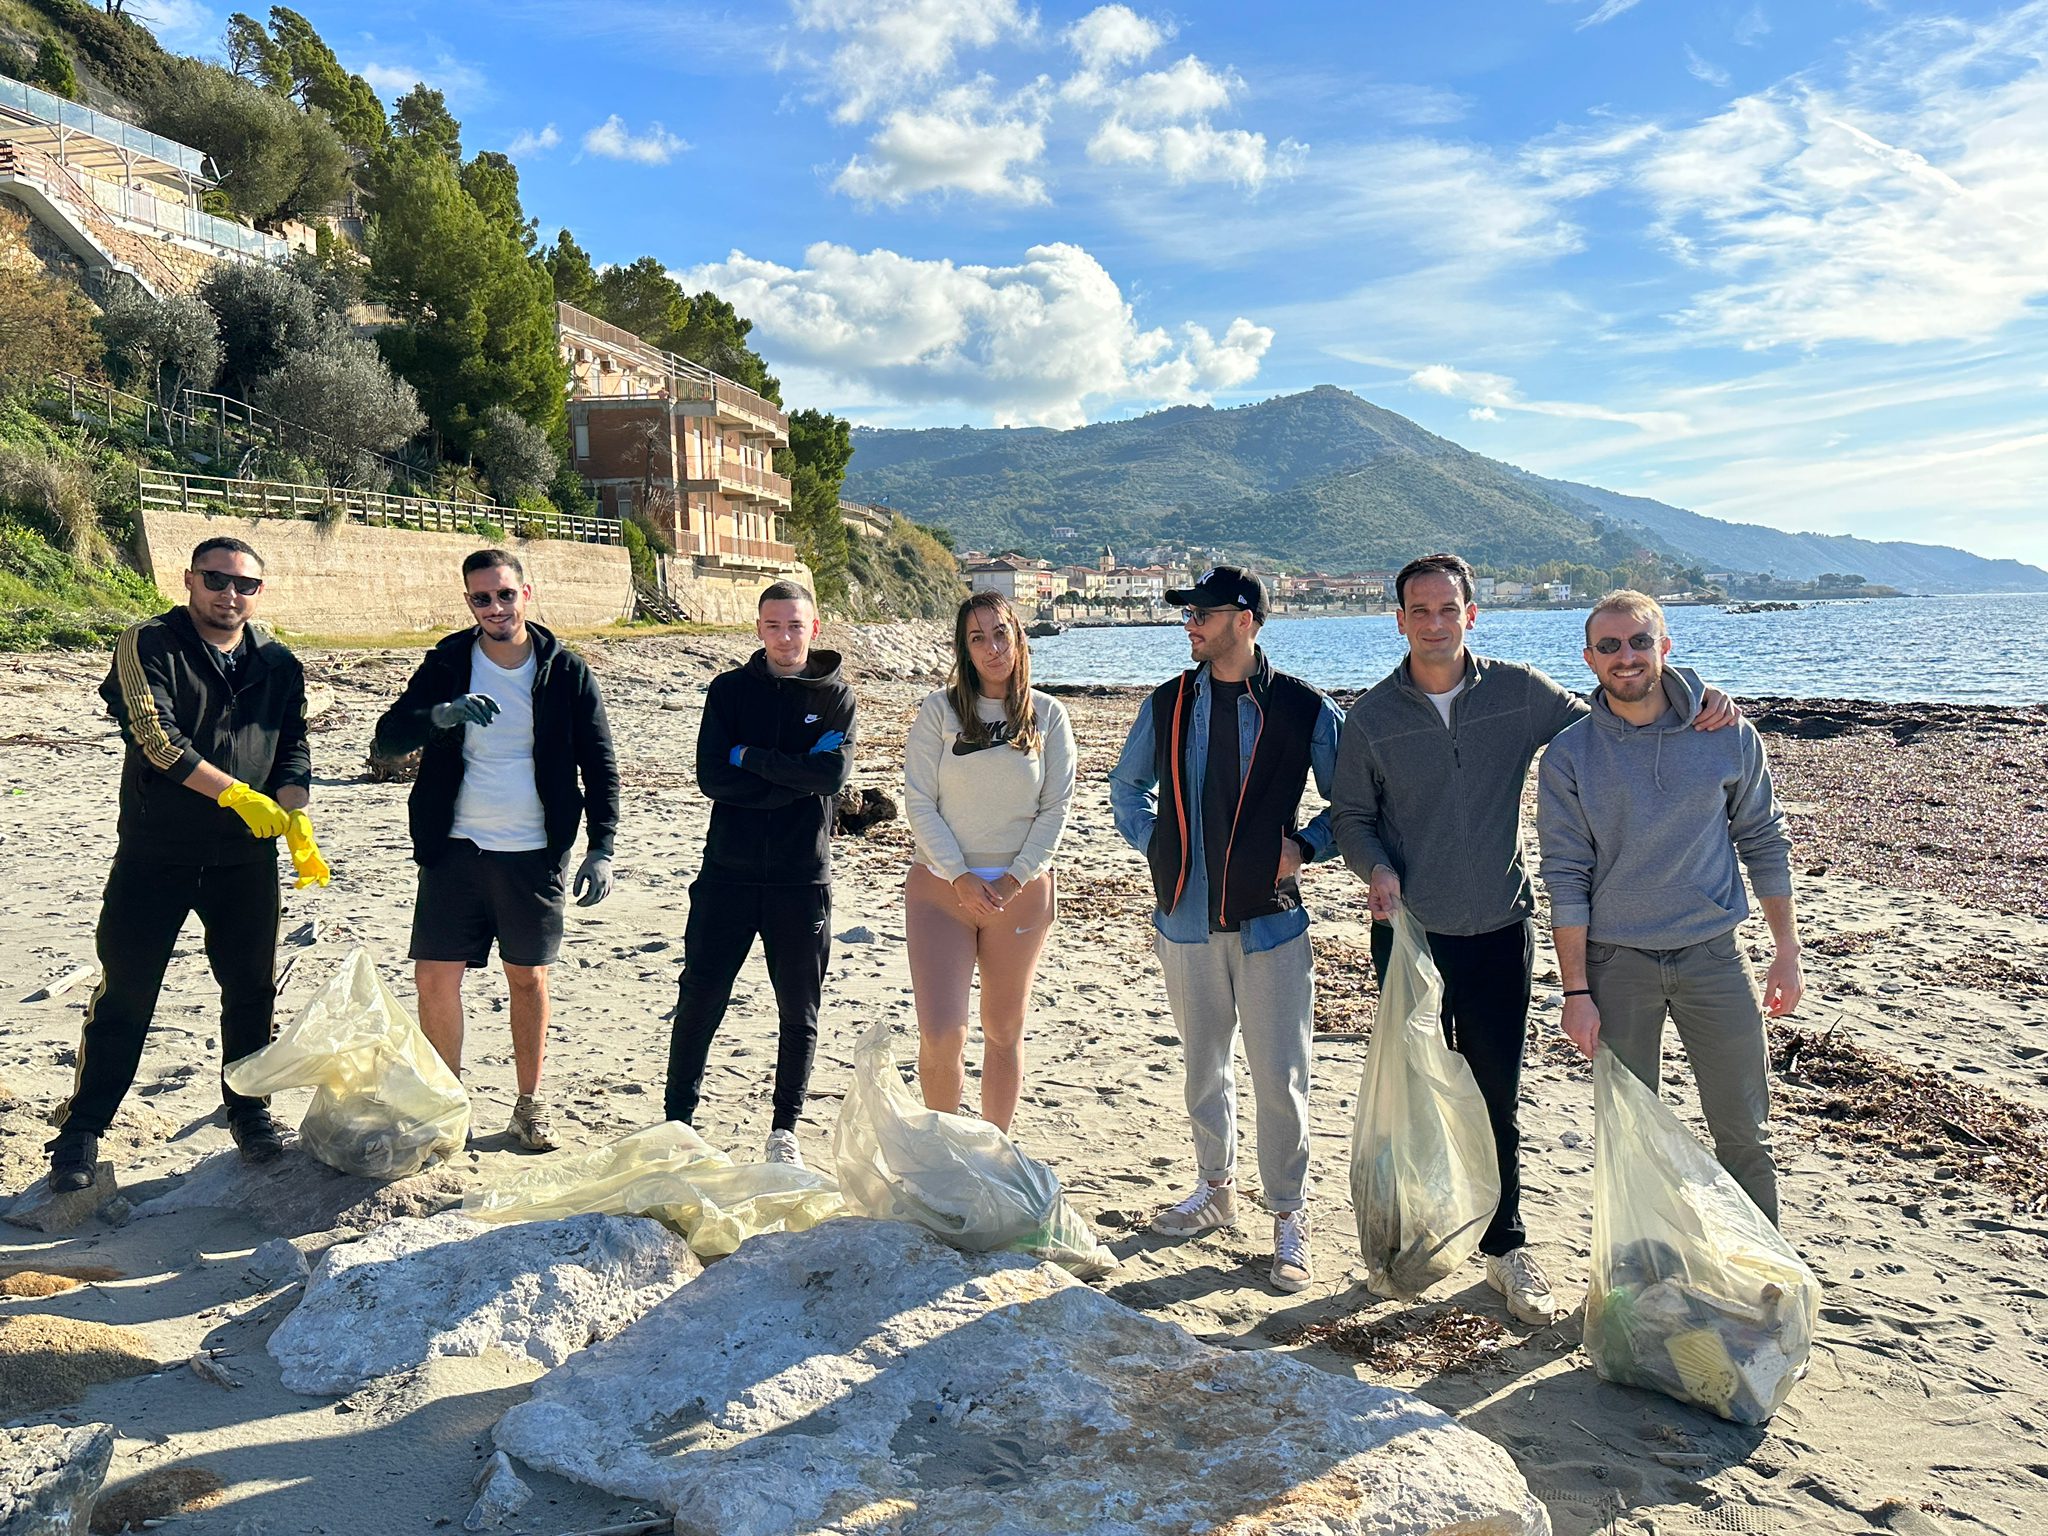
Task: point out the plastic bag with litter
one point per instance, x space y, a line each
1424 1177
384 1104
670 1173
1694 1294
959 1178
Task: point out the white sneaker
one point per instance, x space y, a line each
1518 1277
531 1129
1290 1251
782 1148
1210 1206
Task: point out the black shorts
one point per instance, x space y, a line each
470 896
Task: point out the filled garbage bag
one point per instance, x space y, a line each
1424 1178
959 1178
1694 1294
670 1173
384 1103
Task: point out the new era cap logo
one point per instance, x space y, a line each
1206 577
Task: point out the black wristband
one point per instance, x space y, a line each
1580 992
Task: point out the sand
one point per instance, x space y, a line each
1922 1214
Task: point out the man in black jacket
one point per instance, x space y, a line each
505 719
211 708
773 751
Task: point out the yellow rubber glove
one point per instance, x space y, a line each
298 837
265 817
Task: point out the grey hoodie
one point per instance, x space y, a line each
1641 826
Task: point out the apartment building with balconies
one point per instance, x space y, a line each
687 452
119 197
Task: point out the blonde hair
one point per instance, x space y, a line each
964 687
1637 605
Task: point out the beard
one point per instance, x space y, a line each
1639 689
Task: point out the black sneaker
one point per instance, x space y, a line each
74 1159
257 1135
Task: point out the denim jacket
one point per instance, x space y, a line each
1134 803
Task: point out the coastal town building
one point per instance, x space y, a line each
121 199
685 451
1026 583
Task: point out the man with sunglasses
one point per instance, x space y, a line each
213 711
1428 811
1230 746
506 719
1643 822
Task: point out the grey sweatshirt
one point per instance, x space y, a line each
1641 826
1442 806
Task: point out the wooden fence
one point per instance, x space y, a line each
219 496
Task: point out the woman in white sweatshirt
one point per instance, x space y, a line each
989 774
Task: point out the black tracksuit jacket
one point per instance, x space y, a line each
771 820
169 691
571 737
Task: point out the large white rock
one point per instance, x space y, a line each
447 1285
864 1376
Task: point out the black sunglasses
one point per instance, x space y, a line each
220 581
1609 645
505 595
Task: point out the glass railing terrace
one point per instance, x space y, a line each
41 105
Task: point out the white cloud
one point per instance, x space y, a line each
613 140
1040 342
1609 9
1703 69
1483 413
447 74
183 24
1496 393
1115 34
1754 27
1413 106
1903 204
892 47
527 142
1187 89
1197 152
960 142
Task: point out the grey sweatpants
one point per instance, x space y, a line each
1709 994
1216 990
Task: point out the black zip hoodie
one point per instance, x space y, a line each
169 691
570 737
771 818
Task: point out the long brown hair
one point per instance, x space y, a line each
964 688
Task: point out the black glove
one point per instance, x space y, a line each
596 873
470 709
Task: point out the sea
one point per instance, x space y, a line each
1954 649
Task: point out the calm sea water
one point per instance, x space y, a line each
1979 650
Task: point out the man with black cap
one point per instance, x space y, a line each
1231 744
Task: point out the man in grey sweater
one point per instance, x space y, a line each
1642 822
1427 809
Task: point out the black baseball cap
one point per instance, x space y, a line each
1225 586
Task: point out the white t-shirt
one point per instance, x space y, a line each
1442 701
498 807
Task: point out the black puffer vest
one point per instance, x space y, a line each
1268 803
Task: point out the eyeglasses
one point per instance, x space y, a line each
1201 615
220 581
1608 645
506 595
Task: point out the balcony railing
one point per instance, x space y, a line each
758 549
738 478
216 495
686 381
42 107
129 205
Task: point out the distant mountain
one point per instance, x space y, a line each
1326 480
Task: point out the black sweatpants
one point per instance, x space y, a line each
794 923
1486 1020
140 915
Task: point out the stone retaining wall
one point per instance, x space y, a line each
346 580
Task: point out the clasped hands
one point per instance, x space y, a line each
985 898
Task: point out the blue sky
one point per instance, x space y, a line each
1778 262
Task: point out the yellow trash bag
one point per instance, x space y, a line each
384 1104
961 1179
1694 1294
670 1173
1424 1177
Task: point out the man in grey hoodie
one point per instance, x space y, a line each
1642 822
1427 809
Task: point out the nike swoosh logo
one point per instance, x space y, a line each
812 719
962 748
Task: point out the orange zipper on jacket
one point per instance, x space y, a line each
1180 809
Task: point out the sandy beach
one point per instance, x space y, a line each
1910 1126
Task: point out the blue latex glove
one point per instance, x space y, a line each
831 741
736 754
